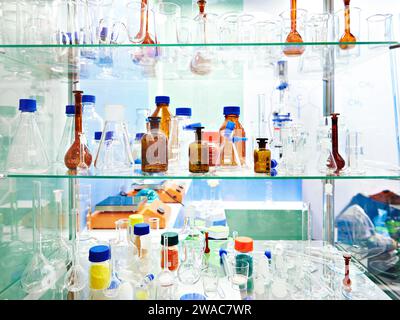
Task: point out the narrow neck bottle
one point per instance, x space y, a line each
78 114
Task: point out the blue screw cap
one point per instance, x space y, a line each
88 98
99 253
267 253
183 112
27 105
162 99
70 109
274 163
141 229
231 110
97 135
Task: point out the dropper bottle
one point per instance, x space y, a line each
198 153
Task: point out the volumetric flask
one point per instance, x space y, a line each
293 30
347 21
379 29
117 156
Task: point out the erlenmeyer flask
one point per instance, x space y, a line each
39 275
165 279
121 159
228 156
27 153
68 134
75 279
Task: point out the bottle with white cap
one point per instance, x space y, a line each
118 158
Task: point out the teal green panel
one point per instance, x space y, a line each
268 224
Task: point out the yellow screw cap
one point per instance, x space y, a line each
135 219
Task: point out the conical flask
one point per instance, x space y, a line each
115 154
228 156
27 153
68 134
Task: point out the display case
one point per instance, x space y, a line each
308 212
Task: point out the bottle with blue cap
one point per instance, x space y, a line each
27 153
99 271
231 114
162 111
68 134
228 156
92 122
179 139
142 241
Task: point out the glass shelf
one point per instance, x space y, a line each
222 175
172 61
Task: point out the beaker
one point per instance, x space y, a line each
379 29
39 275
210 281
267 31
121 154
239 274
136 20
355 152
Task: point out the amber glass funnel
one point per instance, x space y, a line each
73 156
293 36
347 36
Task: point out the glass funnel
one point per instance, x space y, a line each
39 275
117 156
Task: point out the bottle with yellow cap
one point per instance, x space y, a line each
99 271
244 253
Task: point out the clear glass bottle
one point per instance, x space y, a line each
73 156
68 134
27 153
99 271
162 111
179 139
232 113
142 242
154 148
198 154
228 155
92 122
262 157
121 157
244 254
172 251
136 146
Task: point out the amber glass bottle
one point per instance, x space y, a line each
198 154
162 111
73 156
262 157
232 114
154 148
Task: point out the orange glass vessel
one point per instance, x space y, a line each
73 156
294 36
232 114
162 111
347 36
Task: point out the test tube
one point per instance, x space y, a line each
223 255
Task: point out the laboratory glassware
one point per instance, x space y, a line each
231 113
96 141
91 121
294 20
179 140
346 280
112 292
355 152
173 252
340 163
75 280
162 111
213 147
205 30
7 129
119 157
210 281
198 153
27 153
379 28
136 21
239 274
165 279
141 125
123 251
136 149
347 36
99 271
154 148
244 253
223 254
262 157
62 255
133 220
142 242
73 156
144 289
39 274
326 160
189 270
68 134
228 155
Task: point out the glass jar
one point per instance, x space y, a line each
173 252
244 254
142 241
99 271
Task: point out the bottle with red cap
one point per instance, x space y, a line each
244 253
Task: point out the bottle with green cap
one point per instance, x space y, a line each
262 157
